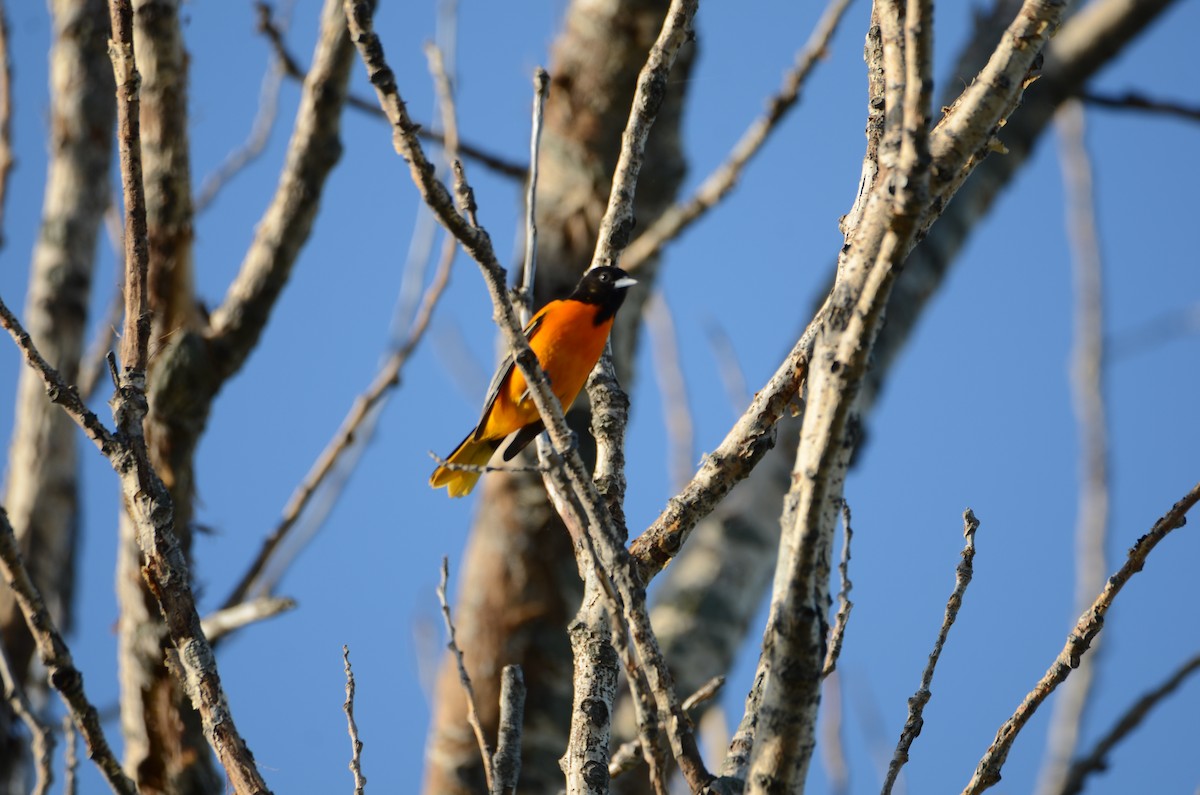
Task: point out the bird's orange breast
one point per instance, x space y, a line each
568 343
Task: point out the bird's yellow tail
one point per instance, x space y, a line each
459 482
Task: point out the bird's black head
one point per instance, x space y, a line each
605 287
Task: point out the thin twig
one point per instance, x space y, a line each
360 781
627 756
987 773
541 90
6 157
1132 100
838 633
1165 327
56 657
58 390
41 738
228 619
722 180
1087 386
92 368
1096 760
672 386
135 335
70 756
729 369
916 704
506 762
445 94
260 131
293 69
472 711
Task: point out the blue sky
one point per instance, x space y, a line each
977 411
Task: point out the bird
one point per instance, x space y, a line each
567 336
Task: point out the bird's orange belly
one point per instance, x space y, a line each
567 353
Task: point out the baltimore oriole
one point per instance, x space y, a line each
568 337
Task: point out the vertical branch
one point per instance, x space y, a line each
356 746
916 704
585 762
677 416
506 762
472 711
135 336
41 738
1087 382
146 499
838 632
6 158
541 90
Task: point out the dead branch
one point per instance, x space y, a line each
41 738
916 704
56 657
1096 760
485 749
506 762
360 781
987 773
1132 100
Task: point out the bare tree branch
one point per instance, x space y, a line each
229 619
585 761
55 655
626 757
1087 382
6 158
57 390
1096 760
146 499
41 738
485 749
260 131
506 762
838 632
309 505
987 773
1132 100
677 415
360 781
70 756
916 704
524 293
733 459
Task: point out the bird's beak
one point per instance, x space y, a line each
624 281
